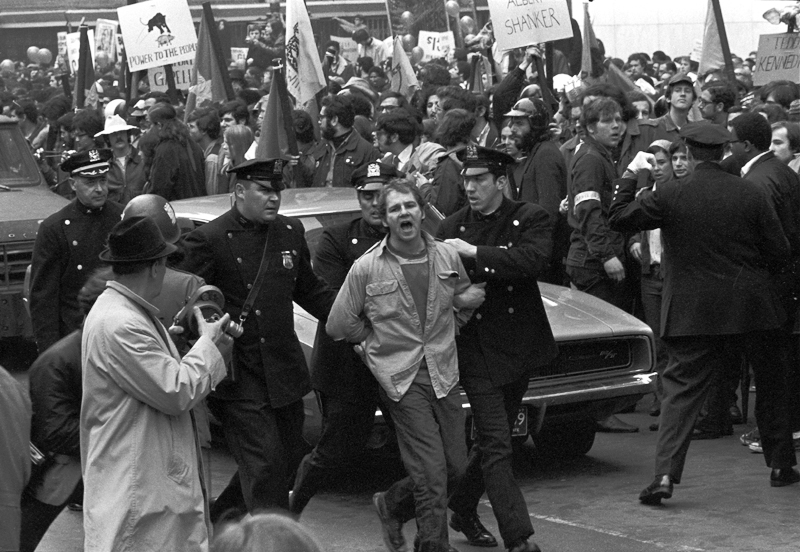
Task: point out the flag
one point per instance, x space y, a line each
404 80
589 42
711 57
207 82
85 86
277 139
304 76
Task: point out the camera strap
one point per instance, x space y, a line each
257 283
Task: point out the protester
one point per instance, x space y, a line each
126 176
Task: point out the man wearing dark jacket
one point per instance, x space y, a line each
722 240
506 245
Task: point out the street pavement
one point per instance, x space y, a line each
588 504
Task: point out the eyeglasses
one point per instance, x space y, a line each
702 102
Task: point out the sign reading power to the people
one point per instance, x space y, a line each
157 32
520 23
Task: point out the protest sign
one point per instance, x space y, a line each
697 50
436 45
105 32
74 49
62 43
157 33
183 76
239 55
348 48
520 23
778 58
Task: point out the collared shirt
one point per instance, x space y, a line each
404 156
395 341
749 164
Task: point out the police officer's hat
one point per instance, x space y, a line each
270 170
705 135
88 164
479 160
372 176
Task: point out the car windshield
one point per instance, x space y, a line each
17 165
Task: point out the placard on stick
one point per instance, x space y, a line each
520 23
157 32
778 58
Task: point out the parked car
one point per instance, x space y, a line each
25 201
605 360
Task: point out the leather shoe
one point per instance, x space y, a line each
735 414
525 546
783 476
473 529
613 424
661 487
703 435
417 545
392 527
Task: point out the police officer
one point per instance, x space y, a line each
347 389
67 247
261 262
721 240
506 245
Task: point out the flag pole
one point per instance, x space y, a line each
723 40
389 18
216 45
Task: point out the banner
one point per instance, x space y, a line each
74 49
778 58
207 78
239 55
403 78
348 48
711 57
105 34
520 23
436 45
304 76
157 32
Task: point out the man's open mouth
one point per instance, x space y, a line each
406 225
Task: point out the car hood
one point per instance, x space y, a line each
22 209
577 315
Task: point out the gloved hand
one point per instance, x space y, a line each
642 161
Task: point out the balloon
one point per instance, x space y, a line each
33 53
45 56
409 42
407 18
417 54
468 24
7 66
452 8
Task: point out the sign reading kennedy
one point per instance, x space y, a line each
778 58
157 32
520 23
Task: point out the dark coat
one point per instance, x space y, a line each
721 240
122 187
56 392
511 325
177 171
336 370
351 154
446 191
592 242
64 256
268 358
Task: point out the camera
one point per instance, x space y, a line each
211 302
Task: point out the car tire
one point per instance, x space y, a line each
565 441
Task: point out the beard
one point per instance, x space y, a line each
525 142
328 132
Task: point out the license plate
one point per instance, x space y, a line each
519 429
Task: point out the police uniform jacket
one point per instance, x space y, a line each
592 242
351 154
511 326
336 370
722 239
227 253
64 256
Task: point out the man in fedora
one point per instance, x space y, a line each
126 176
139 450
67 245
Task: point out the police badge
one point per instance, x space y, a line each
288 262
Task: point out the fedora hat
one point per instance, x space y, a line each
136 240
115 123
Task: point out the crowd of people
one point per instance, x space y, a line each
669 194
